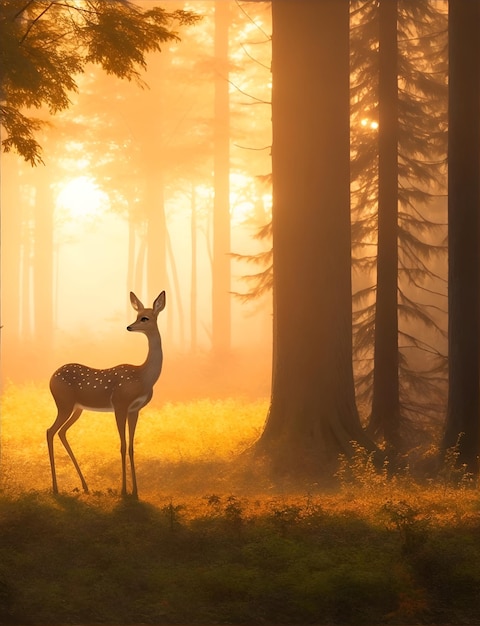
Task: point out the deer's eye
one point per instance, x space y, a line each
144 319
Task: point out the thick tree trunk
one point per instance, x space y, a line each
463 231
385 418
312 416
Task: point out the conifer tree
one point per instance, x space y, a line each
403 108
413 140
463 415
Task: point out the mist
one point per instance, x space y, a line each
163 179
126 201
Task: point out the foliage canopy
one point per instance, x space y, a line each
46 44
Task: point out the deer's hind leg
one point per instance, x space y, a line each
62 433
63 415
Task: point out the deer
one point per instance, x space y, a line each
123 390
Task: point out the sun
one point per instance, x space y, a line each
82 198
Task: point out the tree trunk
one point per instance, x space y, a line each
139 265
131 255
221 296
463 232
193 273
178 316
11 223
43 269
385 417
156 235
26 326
312 416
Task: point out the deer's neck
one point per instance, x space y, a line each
153 363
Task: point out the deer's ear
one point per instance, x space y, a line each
137 305
159 303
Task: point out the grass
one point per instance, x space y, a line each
182 437
206 545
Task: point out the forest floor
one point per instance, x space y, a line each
212 540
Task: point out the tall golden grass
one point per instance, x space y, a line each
191 433
185 452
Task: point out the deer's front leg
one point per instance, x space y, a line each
121 419
132 424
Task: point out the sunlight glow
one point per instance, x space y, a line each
243 197
81 197
369 123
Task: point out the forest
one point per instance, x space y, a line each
284 198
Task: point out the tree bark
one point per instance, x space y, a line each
312 416
11 223
43 268
156 233
463 232
385 417
193 272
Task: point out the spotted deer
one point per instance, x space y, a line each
123 390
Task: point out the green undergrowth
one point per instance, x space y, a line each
212 540
225 559
343 558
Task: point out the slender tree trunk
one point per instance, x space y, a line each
26 329
158 243
139 271
43 269
11 228
156 235
463 412
312 416
193 274
131 255
385 418
178 316
221 304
